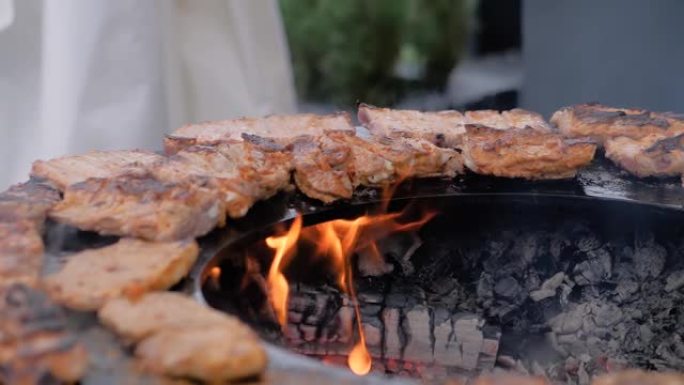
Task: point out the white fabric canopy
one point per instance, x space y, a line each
77 75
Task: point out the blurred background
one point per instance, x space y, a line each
77 75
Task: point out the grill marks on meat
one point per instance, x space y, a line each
141 206
602 122
27 201
524 153
242 172
515 118
35 345
653 155
442 128
321 168
642 142
23 209
178 337
21 253
417 158
329 167
69 170
130 267
282 128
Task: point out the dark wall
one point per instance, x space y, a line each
619 52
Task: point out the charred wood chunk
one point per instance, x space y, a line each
35 344
413 333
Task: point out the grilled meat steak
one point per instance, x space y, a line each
515 118
213 354
21 253
35 345
652 155
243 172
379 161
27 201
141 206
282 128
418 158
442 128
179 337
69 170
602 122
129 267
367 165
328 167
322 168
137 318
524 153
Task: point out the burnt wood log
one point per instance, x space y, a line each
322 323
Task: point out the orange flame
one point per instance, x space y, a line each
277 283
338 240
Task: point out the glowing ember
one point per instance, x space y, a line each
214 275
337 240
359 360
277 284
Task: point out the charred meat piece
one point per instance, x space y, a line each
442 128
21 253
379 161
515 118
418 158
141 206
638 377
282 128
135 319
213 354
243 172
322 168
524 153
20 238
652 155
130 267
27 201
181 338
35 345
69 170
328 168
368 165
602 122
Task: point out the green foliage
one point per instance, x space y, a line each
346 50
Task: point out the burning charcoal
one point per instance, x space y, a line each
595 269
548 288
674 281
625 289
417 328
570 321
606 314
391 319
507 288
401 247
588 243
649 258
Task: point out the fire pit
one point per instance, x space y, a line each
564 279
